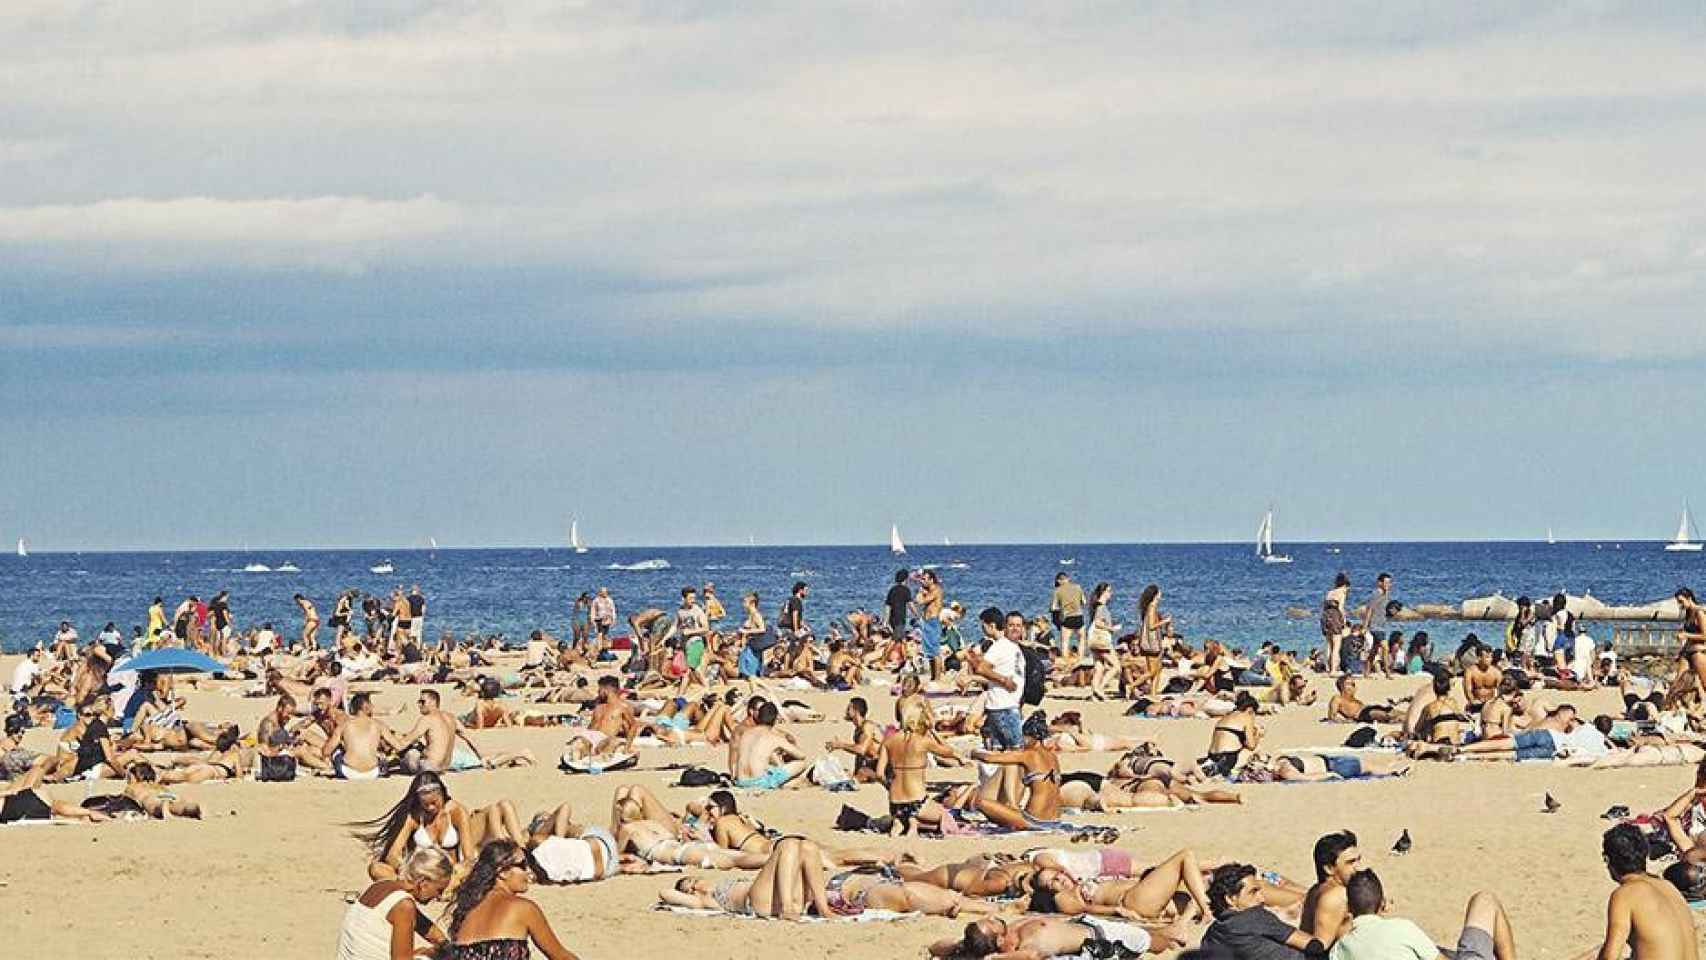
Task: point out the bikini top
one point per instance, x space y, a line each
1041 775
1243 741
423 838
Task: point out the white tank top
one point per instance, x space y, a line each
366 934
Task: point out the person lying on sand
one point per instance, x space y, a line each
228 760
1037 938
20 800
646 827
1318 767
1344 707
563 851
143 797
1148 897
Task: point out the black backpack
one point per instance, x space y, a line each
1036 676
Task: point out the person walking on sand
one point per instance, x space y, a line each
603 617
1333 623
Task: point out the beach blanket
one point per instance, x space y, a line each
594 765
868 916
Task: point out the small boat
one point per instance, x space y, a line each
1682 543
946 542
23 548
1069 561
895 546
575 536
287 567
1550 539
382 567
1265 540
256 568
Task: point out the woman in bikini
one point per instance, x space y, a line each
491 919
902 762
1140 779
1067 735
1145 897
428 817
1318 767
1233 736
645 826
982 875
1442 723
310 621
143 797
1038 769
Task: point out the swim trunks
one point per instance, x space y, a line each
1349 768
771 779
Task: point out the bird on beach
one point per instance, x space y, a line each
1403 845
1551 805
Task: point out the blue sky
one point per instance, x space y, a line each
311 275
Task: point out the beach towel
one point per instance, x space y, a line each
616 761
867 916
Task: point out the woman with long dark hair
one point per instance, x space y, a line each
1151 636
1333 623
1100 633
491 919
428 817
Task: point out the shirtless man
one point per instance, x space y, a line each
1539 741
765 759
1037 938
1646 915
437 732
1326 914
647 630
355 745
1346 708
612 723
275 738
865 743
1481 679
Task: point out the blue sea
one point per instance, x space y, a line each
1211 590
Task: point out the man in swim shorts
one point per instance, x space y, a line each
765 759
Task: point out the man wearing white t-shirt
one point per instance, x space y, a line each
25 672
1002 666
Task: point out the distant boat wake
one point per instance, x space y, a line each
643 565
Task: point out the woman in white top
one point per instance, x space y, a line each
381 924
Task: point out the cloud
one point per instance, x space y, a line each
1500 176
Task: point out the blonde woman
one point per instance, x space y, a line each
381 924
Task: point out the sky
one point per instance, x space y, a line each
313 273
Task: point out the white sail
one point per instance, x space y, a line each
575 537
432 542
895 546
1684 528
946 542
23 551
1549 537
1265 540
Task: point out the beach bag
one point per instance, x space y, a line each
699 777
827 770
1362 737
1036 677
852 820
276 769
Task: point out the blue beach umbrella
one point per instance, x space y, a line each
126 673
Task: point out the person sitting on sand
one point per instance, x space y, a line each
358 743
1245 926
427 816
611 726
559 850
1442 722
1645 915
1371 935
491 920
1037 770
382 923
438 733
864 742
1344 707
1147 897
764 758
1233 735
1325 914
1481 679
1038 938
643 825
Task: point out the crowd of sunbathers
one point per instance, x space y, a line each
686 682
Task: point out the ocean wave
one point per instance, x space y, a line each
717 566
641 567
802 573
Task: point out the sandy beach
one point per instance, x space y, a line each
267 872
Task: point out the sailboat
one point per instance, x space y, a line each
895 546
1550 539
23 550
575 536
946 542
1265 540
1682 543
